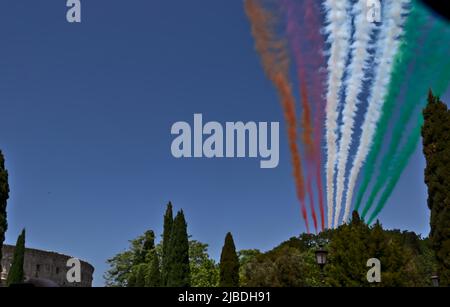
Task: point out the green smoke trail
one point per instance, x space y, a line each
424 76
407 50
401 161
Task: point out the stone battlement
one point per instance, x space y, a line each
46 265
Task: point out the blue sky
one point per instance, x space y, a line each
86 111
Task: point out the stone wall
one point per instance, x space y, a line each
45 265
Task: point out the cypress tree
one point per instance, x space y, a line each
131 282
16 274
349 252
153 278
140 274
436 148
4 195
168 224
148 244
229 264
178 268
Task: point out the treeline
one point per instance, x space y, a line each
175 261
407 260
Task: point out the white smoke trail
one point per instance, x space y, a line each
360 56
387 46
338 31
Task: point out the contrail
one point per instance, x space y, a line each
401 160
276 65
402 62
316 60
360 57
440 84
338 32
387 47
424 75
296 35
311 200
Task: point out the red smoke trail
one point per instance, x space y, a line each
311 199
294 34
316 59
276 65
307 43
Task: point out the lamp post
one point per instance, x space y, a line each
321 259
435 280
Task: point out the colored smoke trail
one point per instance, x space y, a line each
311 197
391 91
424 76
390 71
338 32
360 57
296 35
401 161
316 60
276 65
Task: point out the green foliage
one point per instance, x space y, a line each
178 269
167 231
4 195
153 277
229 264
139 273
348 254
140 265
119 273
204 271
16 274
145 246
406 259
126 271
353 244
436 148
284 266
123 265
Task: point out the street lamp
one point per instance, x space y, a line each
435 280
321 257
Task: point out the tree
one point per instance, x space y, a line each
436 148
229 264
284 266
139 273
178 269
204 271
146 245
153 278
348 254
167 231
120 269
4 195
122 272
16 274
